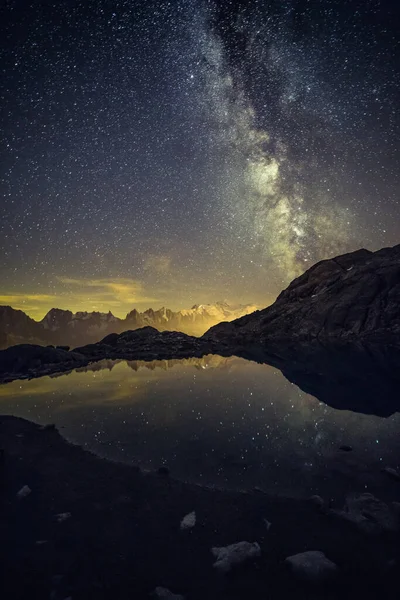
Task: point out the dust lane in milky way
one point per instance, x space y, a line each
172 153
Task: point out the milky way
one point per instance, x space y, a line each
187 151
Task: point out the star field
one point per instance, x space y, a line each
172 153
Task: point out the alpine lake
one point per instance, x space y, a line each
218 422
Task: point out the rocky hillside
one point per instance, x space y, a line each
353 296
64 327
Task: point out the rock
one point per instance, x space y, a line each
369 514
393 474
317 500
267 524
24 492
231 556
164 594
189 521
61 517
163 471
29 360
345 448
355 295
145 343
312 566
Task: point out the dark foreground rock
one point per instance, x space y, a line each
146 343
92 529
353 296
28 360
31 360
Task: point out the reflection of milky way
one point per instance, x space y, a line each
213 420
172 153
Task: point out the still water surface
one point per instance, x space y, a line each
217 421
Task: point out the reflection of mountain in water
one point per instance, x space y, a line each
361 378
211 361
352 377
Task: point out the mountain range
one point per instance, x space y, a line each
344 306
74 329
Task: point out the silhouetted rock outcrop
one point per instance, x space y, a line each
26 360
30 359
353 296
147 343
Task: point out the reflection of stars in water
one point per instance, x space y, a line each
235 429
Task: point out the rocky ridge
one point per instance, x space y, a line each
355 296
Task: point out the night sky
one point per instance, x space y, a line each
171 153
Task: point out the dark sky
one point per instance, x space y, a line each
172 153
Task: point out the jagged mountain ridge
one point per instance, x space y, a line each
63 327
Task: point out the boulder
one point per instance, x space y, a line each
312 566
188 521
369 514
231 556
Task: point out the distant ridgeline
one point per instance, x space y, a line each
354 297
62 327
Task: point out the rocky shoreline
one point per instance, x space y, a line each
27 361
77 526
334 373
